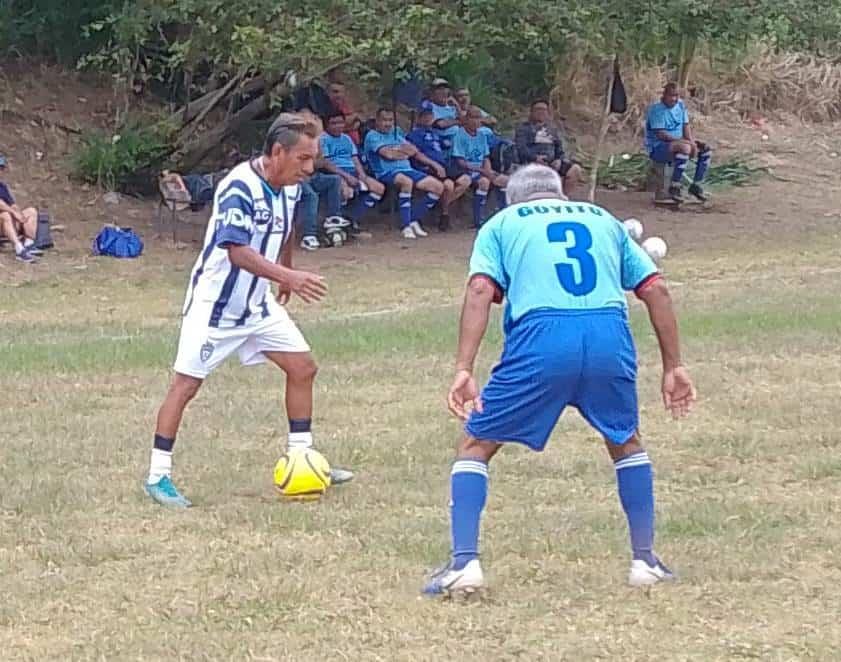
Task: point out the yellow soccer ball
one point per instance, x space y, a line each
302 473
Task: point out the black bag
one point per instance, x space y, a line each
618 98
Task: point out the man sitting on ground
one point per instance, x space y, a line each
472 154
388 153
456 182
669 139
18 225
342 158
539 141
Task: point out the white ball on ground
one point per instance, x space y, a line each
655 247
634 228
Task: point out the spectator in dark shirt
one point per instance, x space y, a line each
539 141
18 225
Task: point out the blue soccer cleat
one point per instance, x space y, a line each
165 493
642 574
446 581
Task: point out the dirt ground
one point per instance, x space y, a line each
802 196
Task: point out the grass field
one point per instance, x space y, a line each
748 498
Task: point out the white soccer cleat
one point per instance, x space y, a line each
418 228
446 581
409 233
642 574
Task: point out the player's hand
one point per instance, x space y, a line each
462 393
308 286
283 295
440 173
678 391
351 181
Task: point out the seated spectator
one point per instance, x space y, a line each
463 99
194 190
445 111
306 211
342 158
456 181
388 154
538 141
503 153
337 92
472 153
18 225
669 139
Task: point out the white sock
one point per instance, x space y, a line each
28 242
299 440
160 465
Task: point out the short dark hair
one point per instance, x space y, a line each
537 101
333 113
287 130
670 87
425 111
383 109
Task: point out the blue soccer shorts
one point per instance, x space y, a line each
555 359
414 175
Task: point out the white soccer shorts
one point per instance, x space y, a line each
202 348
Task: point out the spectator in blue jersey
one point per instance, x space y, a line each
669 139
503 152
539 141
445 110
388 154
341 158
563 271
456 182
472 154
18 225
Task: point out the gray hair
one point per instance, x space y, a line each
287 130
534 179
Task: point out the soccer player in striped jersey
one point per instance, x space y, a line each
229 305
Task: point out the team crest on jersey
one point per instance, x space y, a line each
262 213
206 351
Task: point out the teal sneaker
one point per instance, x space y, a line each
164 493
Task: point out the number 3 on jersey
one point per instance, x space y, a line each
577 273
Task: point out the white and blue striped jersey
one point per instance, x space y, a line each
246 212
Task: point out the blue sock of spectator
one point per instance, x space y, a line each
479 199
501 200
704 157
421 207
371 199
357 208
405 209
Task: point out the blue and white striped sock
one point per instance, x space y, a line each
680 160
468 490
405 202
635 479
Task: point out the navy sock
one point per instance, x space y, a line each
501 200
357 208
680 161
405 209
300 424
479 200
635 479
163 443
703 163
468 492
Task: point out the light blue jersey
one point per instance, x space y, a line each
472 148
559 255
374 142
339 150
662 118
446 112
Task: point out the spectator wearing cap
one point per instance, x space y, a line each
445 111
18 225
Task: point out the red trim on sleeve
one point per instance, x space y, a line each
647 282
498 293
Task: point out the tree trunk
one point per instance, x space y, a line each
605 125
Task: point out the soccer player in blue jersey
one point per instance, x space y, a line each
472 153
342 158
563 269
445 111
388 154
229 307
669 139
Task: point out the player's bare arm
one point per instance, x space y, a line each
309 286
437 168
481 292
392 153
678 390
285 260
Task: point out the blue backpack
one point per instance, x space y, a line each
117 242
